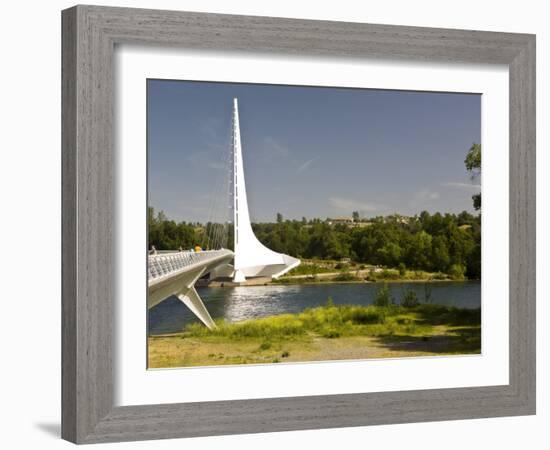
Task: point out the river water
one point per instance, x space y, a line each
247 302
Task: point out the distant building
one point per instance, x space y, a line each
339 220
348 221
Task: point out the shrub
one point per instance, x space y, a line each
402 269
410 299
364 315
427 293
330 333
439 276
383 297
457 271
388 274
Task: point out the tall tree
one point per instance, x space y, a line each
473 165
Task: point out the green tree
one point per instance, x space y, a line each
425 242
473 165
457 271
419 251
440 258
355 216
390 254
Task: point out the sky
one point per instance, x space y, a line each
309 151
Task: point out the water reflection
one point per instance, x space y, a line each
241 303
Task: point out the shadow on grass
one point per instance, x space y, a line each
448 315
462 340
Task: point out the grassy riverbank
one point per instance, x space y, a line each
325 333
316 271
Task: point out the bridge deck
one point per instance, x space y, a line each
166 264
175 274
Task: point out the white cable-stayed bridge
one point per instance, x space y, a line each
174 273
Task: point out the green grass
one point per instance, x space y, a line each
334 321
408 275
312 268
324 333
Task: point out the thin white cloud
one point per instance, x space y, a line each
350 205
273 149
459 185
305 165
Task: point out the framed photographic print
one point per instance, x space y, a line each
297 208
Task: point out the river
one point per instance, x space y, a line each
247 302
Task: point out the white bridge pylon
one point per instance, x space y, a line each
252 258
174 273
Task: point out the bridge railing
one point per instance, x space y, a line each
164 263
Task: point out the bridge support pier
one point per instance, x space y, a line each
190 298
175 274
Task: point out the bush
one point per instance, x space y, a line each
410 299
439 276
457 271
387 274
330 333
383 297
402 269
364 315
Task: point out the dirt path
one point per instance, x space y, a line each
176 351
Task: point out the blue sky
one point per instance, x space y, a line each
309 151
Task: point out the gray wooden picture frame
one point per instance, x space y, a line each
90 34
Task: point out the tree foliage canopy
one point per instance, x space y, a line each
437 242
473 165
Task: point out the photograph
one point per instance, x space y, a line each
290 224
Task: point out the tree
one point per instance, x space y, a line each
355 215
473 165
427 242
390 254
279 217
419 251
440 254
